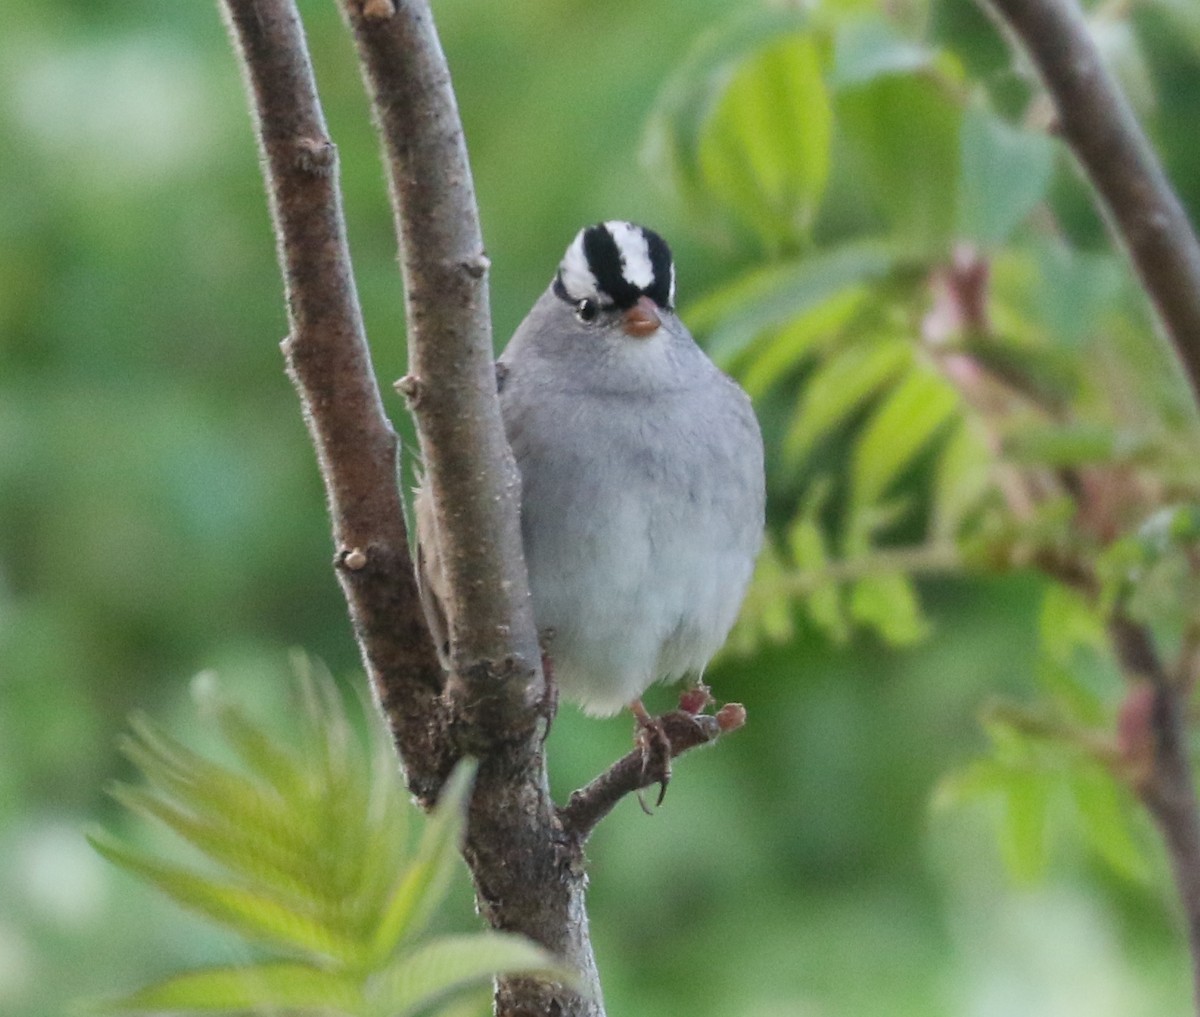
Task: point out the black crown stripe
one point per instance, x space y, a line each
604 259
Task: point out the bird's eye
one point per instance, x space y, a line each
586 311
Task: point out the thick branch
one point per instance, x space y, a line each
1154 741
1101 129
527 878
329 364
452 384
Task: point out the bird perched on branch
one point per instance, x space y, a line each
641 473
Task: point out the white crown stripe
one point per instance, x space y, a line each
576 275
635 252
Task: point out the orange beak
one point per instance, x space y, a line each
641 320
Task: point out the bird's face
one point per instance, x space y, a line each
619 279
607 322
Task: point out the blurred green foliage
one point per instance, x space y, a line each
160 512
310 853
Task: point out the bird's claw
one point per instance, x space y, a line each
656 752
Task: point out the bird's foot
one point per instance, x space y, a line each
696 699
651 738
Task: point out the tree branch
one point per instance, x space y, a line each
1153 739
528 878
329 364
451 386
1101 129
684 731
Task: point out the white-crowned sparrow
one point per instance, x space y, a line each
641 475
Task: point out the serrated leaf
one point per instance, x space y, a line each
888 603
424 883
764 149
1006 173
239 848
247 911
262 754
204 788
838 388
909 417
904 130
451 963
255 987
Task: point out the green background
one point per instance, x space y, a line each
161 514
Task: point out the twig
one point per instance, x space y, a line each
328 362
452 380
1153 726
1100 127
587 806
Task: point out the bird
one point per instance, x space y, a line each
641 472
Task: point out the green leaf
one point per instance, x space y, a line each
1069 623
824 602
770 298
904 130
257 987
888 603
1109 816
248 911
838 388
1077 443
284 869
777 356
764 150
1023 833
677 120
423 885
964 477
1006 173
207 788
451 963
908 419
870 48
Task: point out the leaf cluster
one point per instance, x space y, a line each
952 373
312 855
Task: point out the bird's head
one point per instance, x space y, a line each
616 274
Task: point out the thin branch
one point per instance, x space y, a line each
329 364
587 806
452 382
1098 124
1154 739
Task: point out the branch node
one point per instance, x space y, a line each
354 559
411 388
316 156
476 267
378 10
